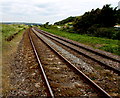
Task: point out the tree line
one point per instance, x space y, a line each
99 22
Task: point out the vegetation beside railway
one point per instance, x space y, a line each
106 44
8 50
97 22
94 28
9 31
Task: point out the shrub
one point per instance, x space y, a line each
110 33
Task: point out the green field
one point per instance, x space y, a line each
96 42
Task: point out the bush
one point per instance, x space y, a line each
107 32
110 33
92 30
116 35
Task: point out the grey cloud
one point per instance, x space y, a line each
47 10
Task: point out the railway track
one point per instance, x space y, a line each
107 60
61 76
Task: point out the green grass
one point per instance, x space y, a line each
96 42
9 30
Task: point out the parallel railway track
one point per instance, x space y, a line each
41 67
34 37
108 61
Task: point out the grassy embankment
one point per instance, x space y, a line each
10 30
10 36
105 44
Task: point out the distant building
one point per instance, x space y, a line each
119 5
117 27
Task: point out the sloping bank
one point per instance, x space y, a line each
9 49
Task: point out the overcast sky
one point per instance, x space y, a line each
42 11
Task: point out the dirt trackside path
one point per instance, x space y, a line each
9 49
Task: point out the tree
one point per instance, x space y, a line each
82 24
118 16
46 25
107 16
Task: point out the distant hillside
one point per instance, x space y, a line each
67 20
21 23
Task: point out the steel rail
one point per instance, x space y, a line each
78 45
40 65
88 80
100 62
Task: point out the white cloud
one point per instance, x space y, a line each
48 10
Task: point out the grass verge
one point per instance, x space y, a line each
10 30
9 49
105 44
